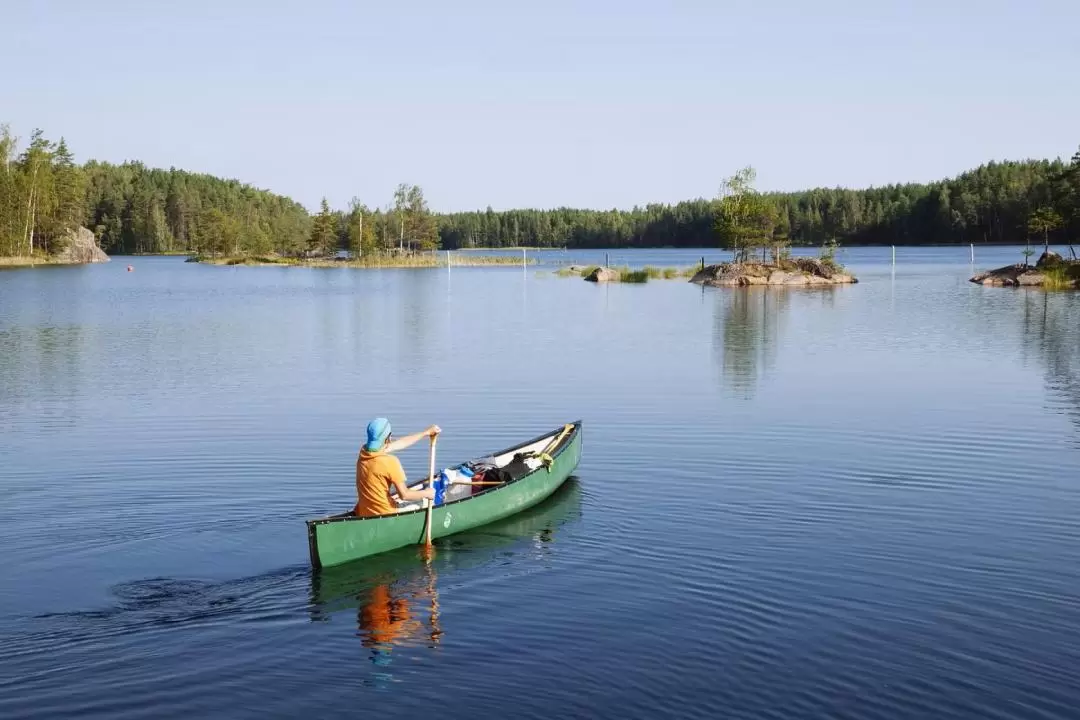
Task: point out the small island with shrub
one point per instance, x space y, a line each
1051 272
747 223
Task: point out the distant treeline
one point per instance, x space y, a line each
991 204
135 209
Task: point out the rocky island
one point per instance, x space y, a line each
791 272
1051 271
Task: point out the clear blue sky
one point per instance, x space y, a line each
540 104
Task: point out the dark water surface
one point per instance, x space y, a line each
855 502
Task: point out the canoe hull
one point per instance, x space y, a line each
340 539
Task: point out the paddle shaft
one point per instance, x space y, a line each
431 484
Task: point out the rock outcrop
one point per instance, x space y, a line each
602 274
81 247
1065 273
1049 258
799 272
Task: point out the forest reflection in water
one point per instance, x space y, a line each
752 326
748 333
1051 324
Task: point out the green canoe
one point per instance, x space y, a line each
345 587
340 538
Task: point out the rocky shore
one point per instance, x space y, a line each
79 248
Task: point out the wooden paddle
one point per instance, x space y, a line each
431 484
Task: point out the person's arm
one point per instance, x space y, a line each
410 440
405 492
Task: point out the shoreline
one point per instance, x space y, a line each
17 261
378 262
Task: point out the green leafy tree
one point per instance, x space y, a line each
10 208
746 220
414 222
737 204
401 210
218 233
36 166
1044 220
360 229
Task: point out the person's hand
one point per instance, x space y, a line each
433 431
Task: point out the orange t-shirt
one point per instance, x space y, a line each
375 473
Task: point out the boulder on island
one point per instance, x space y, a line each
1010 276
81 247
1049 259
602 274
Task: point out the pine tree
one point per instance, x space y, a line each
323 240
1044 220
421 226
70 188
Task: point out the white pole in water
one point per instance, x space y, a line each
522 258
893 254
972 252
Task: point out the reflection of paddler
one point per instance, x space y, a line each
386 618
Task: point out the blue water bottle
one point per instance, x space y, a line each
440 487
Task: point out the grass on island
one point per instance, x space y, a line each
371 261
1062 275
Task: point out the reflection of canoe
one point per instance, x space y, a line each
340 538
343 586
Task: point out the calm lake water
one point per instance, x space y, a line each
858 502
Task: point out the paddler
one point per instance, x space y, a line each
378 470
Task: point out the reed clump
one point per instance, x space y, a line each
626 275
1062 276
